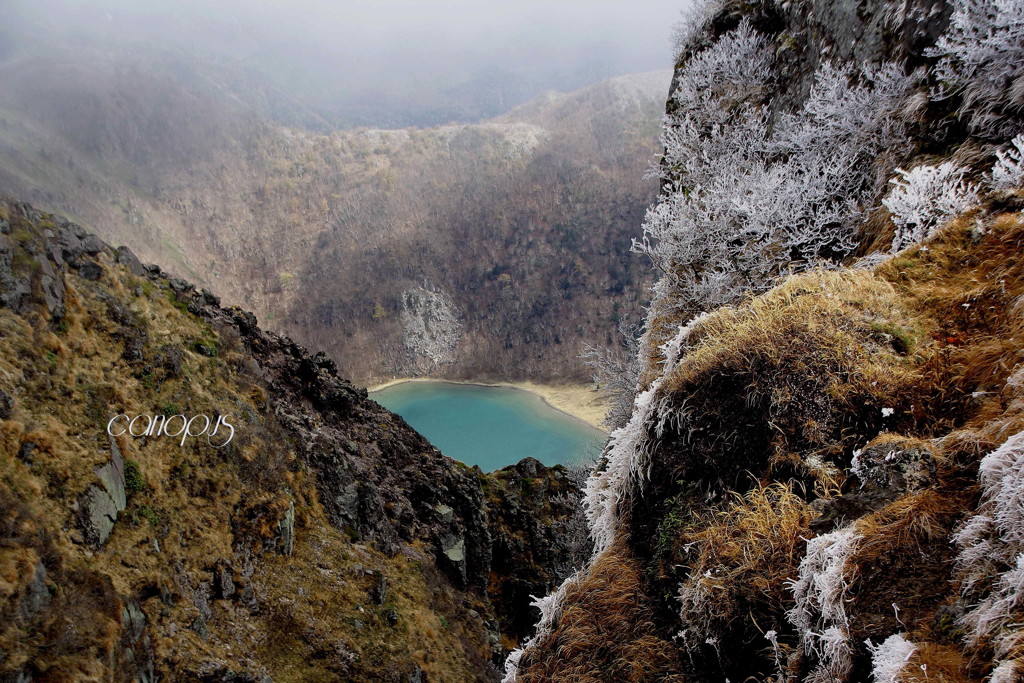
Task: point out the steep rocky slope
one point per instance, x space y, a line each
325 540
820 477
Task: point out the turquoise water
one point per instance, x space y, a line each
492 427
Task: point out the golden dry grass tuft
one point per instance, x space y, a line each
606 632
740 557
964 288
907 524
788 383
935 663
825 312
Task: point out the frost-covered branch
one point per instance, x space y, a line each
991 559
982 60
744 202
820 612
924 198
616 372
1008 171
695 17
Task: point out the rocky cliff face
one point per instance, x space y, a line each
326 540
819 480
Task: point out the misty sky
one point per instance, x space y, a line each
457 59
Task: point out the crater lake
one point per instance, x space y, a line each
490 426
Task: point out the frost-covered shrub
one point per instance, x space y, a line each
991 559
890 658
694 17
924 198
743 202
616 372
1006 672
627 449
1008 172
982 59
820 613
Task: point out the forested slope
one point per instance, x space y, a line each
516 230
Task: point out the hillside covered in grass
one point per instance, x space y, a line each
319 539
817 474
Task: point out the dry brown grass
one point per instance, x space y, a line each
790 382
783 387
964 287
941 664
606 632
203 506
824 312
908 523
744 553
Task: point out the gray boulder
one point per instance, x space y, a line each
37 597
14 287
97 514
52 281
126 257
6 405
896 463
91 270
286 531
111 476
70 246
888 468
99 505
92 245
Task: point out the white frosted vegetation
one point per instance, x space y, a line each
695 17
925 198
616 374
521 139
1008 171
991 559
607 487
820 613
750 195
982 60
745 202
628 447
890 658
1006 672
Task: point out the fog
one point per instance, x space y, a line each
386 62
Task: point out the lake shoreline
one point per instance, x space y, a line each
579 401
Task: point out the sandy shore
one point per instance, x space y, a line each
578 400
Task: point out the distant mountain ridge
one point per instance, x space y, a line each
315 232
